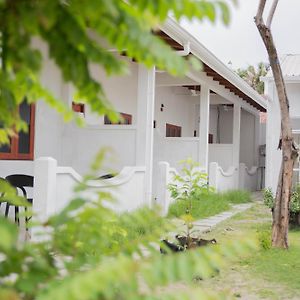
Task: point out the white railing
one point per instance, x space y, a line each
54 187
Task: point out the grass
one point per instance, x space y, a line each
265 274
206 205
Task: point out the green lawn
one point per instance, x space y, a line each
206 205
265 274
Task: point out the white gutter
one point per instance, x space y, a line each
186 50
173 29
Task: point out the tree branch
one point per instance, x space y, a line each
271 14
259 16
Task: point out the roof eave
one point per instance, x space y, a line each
172 28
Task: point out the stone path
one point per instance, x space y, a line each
205 225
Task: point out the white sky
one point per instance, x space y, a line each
241 43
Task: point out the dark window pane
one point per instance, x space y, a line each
5 148
24 142
24 138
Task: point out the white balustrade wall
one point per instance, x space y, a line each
222 154
80 146
222 180
54 187
248 178
165 177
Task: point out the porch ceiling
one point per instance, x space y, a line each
212 73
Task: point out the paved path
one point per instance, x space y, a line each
205 225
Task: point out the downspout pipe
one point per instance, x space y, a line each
186 50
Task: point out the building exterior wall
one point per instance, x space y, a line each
248 150
273 155
178 109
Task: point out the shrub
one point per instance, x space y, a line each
268 198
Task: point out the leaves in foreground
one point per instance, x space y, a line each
89 252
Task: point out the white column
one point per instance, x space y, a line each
44 193
144 132
236 140
256 139
204 126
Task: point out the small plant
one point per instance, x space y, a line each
264 239
188 188
268 198
190 185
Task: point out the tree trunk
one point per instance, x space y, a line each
280 224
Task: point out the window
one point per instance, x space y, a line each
173 130
21 145
126 120
78 107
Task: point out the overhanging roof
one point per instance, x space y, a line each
177 36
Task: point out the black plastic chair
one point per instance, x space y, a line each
20 181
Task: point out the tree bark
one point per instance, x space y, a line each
280 224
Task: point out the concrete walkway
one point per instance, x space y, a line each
205 225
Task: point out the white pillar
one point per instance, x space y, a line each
256 139
144 132
213 175
236 140
44 193
204 126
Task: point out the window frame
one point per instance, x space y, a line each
177 129
127 120
14 144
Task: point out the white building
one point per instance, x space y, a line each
290 65
211 116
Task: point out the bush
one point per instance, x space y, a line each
268 198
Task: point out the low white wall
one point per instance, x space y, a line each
54 187
9 167
173 149
248 177
84 144
222 154
221 180
165 177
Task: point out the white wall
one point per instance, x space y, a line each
222 154
293 91
225 124
179 109
248 151
121 91
86 142
273 155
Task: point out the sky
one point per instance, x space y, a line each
240 42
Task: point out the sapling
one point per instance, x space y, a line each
188 186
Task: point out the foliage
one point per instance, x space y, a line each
209 204
295 200
190 184
89 252
77 34
268 198
294 203
187 187
252 75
